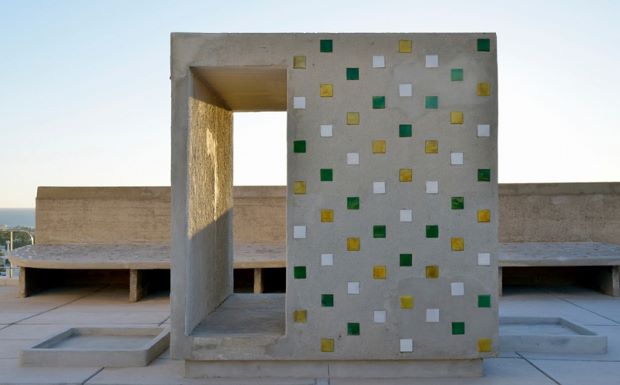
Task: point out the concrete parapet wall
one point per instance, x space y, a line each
559 212
114 215
532 212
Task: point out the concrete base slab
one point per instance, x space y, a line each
548 335
334 369
110 347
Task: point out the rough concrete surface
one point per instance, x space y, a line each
317 93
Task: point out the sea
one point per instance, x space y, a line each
17 217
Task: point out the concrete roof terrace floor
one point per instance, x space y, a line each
26 321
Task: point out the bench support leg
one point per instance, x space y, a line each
500 284
258 281
32 281
137 285
609 281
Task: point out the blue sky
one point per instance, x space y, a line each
85 91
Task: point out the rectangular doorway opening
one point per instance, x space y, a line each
238 228
259 201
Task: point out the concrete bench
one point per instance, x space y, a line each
109 231
543 256
549 229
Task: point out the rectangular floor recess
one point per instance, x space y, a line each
96 347
548 335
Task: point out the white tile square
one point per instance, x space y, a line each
405 90
457 288
484 259
378 187
484 130
379 316
406 345
432 61
326 130
378 61
432 187
299 232
353 287
327 259
353 158
406 215
299 102
432 315
456 158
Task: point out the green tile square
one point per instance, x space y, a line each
431 102
456 75
405 130
378 231
484 175
484 300
378 102
327 45
458 328
484 45
353 203
458 203
432 231
299 272
327 175
353 328
406 260
353 74
327 300
299 146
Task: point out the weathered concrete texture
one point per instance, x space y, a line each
560 212
387 370
108 215
209 74
260 216
89 347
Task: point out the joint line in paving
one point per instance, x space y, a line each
92 375
537 368
586 309
59 306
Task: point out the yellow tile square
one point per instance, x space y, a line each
353 118
457 244
484 215
327 215
405 46
299 187
405 175
379 272
327 90
300 316
431 146
485 345
483 89
299 62
432 271
378 146
327 345
406 302
353 244
456 117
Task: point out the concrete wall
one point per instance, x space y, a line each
397 79
532 212
559 212
102 215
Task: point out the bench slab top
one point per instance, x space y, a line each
534 254
132 256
